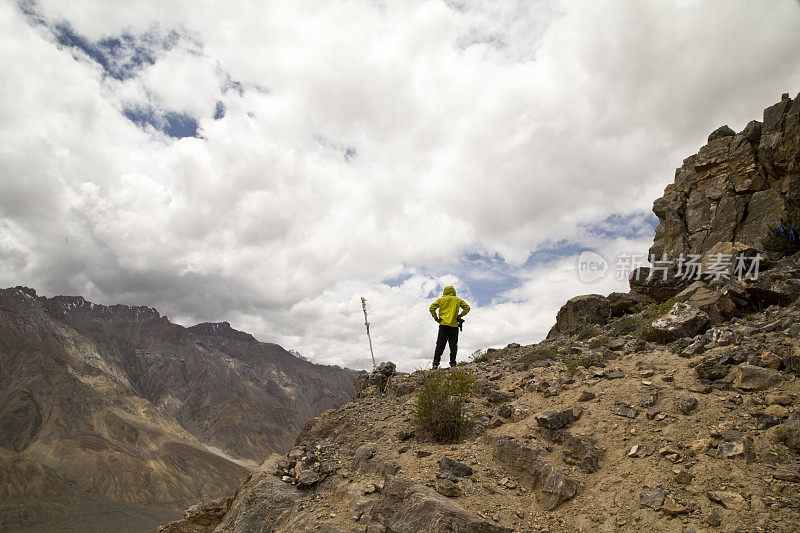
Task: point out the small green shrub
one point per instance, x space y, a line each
587 332
789 436
776 243
439 408
573 362
538 354
479 356
780 243
597 342
657 310
627 324
646 333
663 308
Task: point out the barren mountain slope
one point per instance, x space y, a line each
118 405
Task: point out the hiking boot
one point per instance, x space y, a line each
452 365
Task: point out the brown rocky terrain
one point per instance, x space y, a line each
669 408
112 417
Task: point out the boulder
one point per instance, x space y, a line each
622 302
728 260
580 311
686 405
386 369
716 305
656 286
673 508
556 486
683 320
780 285
557 419
263 500
765 359
448 488
454 467
749 377
366 460
374 384
727 499
199 518
787 473
621 409
686 293
307 478
585 451
409 507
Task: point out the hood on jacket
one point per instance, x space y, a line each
449 291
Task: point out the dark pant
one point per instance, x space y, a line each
447 335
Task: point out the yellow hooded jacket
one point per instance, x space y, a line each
448 306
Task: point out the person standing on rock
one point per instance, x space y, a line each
451 309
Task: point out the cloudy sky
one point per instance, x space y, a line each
269 163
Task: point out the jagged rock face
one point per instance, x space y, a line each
117 402
735 188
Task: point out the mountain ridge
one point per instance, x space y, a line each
119 402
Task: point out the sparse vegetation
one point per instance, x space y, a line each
573 362
439 409
627 324
646 333
597 342
780 243
587 332
659 309
539 354
789 436
479 356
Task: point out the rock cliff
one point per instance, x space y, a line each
735 188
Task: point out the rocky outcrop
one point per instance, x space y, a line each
556 486
580 311
200 518
408 507
683 320
656 286
735 188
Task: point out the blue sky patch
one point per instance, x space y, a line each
219 110
120 56
488 277
397 280
348 152
174 124
628 226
